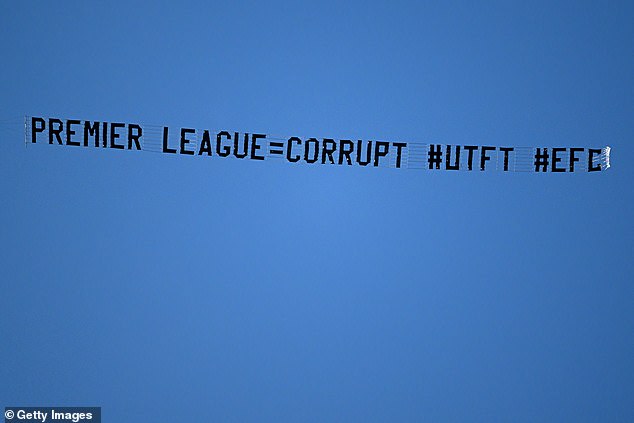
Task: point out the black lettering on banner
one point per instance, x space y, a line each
52 130
114 135
368 153
470 149
104 141
205 144
541 159
166 149
309 142
134 133
185 141
35 128
556 160
226 150
506 151
289 149
91 131
255 146
399 147
483 156
329 147
448 164
70 132
380 152
236 142
434 156
325 150
573 158
346 147
591 154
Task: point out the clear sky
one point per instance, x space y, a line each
167 288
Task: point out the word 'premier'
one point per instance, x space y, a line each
103 134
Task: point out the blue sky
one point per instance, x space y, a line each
182 289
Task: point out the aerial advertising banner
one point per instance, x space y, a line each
220 144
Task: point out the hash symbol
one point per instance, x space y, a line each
435 156
541 159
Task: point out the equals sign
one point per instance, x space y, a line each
275 144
